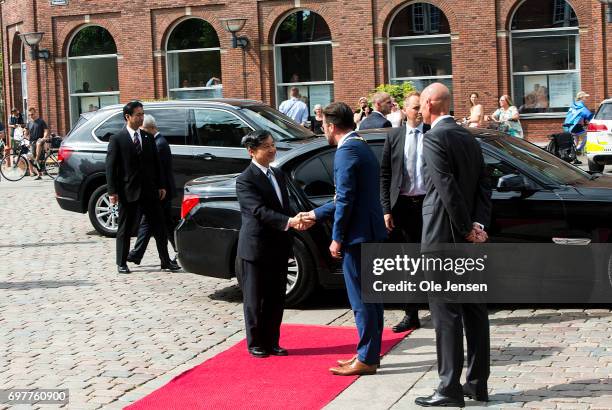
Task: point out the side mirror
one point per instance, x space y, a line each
511 182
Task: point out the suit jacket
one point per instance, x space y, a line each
131 175
374 120
356 209
458 192
165 159
392 167
262 234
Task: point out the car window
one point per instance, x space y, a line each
217 128
280 126
313 176
171 123
604 112
111 126
497 169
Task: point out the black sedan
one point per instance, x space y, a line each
537 198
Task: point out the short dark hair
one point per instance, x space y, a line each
128 109
255 138
339 114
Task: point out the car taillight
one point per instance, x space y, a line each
597 127
64 153
189 201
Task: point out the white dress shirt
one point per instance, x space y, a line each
417 187
344 137
132 132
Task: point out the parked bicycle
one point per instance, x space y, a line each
15 165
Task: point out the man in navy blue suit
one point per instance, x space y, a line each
378 118
358 218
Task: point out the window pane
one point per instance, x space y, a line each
534 14
193 33
419 19
218 128
194 69
545 93
303 26
544 53
422 60
281 126
93 75
314 179
311 94
305 63
216 92
172 124
604 112
92 40
90 103
110 127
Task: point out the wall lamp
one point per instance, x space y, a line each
32 40
234 25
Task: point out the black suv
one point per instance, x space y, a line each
204 136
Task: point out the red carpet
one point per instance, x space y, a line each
234 380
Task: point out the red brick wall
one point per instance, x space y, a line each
479 44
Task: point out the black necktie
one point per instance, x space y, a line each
137 143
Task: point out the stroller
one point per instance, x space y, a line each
562 146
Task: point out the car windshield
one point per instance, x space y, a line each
281 126
558 171
604 112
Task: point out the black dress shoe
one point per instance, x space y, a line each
258 352
278 351
470 393
439 400
123 269
172 267
132 259
406 324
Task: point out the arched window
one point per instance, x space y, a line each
303 59
420 46
19 74
545 63
193 56
92 71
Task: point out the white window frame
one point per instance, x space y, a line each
71 92
566 32
277 63
191 50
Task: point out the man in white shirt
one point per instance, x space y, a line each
402 189
295 108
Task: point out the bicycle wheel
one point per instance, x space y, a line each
14 167
51 166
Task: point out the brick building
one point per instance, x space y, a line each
541 52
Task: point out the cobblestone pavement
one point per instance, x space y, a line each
68 320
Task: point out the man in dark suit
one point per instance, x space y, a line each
144 231
455 209
358 218
402 188
378 118
264 244
134 180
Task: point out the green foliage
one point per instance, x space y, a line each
397 91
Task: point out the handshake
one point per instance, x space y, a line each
302 221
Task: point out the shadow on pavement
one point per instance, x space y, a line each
42 284
45 244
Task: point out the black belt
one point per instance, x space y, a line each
416 199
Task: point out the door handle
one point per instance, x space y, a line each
206 156
572 241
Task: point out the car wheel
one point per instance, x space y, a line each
595 167
102 214
301 275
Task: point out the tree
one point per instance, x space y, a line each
397 91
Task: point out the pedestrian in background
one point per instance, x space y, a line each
476 117
316 122
508 117
577 119
167 177
361 112
396 116
15 121
294 107
37 132
378 117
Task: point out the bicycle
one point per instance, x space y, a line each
14 165
48 161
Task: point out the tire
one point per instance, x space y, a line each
301 278
102 214
16 170
595 167
51 167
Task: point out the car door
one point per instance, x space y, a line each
172 124
535 215
215 135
